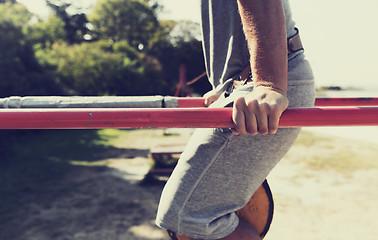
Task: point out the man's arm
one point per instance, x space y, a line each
265 30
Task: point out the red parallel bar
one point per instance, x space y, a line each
175 118
190 102
319 102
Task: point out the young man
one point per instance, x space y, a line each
220 169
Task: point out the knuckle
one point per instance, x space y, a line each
253 105
265 107
240 102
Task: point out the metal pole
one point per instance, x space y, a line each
363 101
97 118
319 102
144 102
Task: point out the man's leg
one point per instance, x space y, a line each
217 174
254 218
243 231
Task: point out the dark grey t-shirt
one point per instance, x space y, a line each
225 48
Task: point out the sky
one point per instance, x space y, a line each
340 36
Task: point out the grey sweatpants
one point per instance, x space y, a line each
218 172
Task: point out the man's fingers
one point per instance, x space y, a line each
251 124
207 102
262 113
239 122
233 130
244 118
211 97
274 119
238 116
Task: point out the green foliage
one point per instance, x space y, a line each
75 25
7 1
45 33
16 14
130 52
97 69
131 20
20 72
177 43
49 57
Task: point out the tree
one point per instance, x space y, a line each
75 25
101 68
8 1
131 20
20 72
16 14
45 33
178 43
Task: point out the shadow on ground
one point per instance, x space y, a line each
44 196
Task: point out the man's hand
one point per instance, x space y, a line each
211 97
265 30
259 111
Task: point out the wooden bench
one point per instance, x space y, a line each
165 158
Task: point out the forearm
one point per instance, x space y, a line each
265 30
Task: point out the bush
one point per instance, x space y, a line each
100 68
20 72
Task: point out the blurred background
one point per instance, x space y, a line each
95 48
126 48
90 184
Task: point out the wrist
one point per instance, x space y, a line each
271 86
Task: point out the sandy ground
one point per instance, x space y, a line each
313 199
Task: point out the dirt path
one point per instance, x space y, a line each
314 199
314 205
